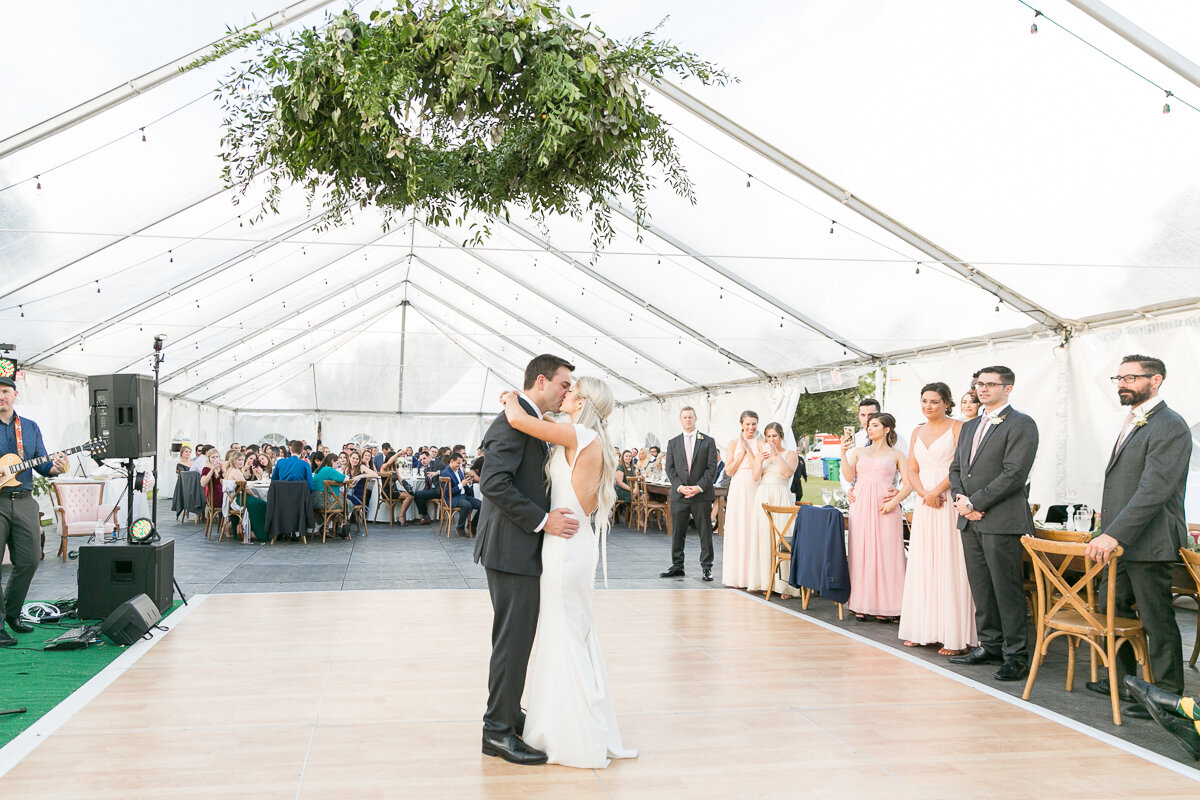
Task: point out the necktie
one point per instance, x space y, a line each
687 448
984 423
1125 429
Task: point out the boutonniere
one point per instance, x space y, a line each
699 437
1142 416
995 420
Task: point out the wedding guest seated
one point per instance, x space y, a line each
293 468
329 472
201 459
210 477
359 474
231 509
623 478
427 488
185 459
385 455
458 495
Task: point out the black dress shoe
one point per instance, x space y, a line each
1101 687
7 639
512 749
462 532
1184 732
707 576
1012 670
19 625
1148 694
978 655
673 572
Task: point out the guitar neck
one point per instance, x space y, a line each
33 462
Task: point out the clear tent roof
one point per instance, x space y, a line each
1037 160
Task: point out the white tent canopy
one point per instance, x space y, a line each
923 191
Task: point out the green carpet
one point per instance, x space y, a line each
39 680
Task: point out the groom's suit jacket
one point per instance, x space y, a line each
703 472
517 499
996 480
1142 506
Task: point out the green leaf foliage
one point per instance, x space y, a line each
456 107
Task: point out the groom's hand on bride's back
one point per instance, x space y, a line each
561 522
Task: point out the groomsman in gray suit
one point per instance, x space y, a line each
1142 511
988 478
692 469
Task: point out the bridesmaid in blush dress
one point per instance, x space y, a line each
743 465
937 603
876 540
774 489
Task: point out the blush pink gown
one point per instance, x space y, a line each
876 542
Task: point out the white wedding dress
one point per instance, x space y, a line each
570 710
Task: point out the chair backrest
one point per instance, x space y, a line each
333 496
779 533
444 489
1051 535
79 499
389 482
1050 563
1191 560
239 494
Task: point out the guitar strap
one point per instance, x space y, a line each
17 432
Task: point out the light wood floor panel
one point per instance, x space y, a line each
379 694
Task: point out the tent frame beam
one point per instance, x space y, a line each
1141 39
528 324
144 83
63 344
520 368
653 309
577 316
736 279
755 143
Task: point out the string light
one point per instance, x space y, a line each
918 267
832 222
97 287
22 308
171 256
1167 106
39 180
143 134
1033 27
748 176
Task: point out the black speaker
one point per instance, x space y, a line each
110 574
131 620
123 413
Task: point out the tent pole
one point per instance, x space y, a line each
403 336
1140 39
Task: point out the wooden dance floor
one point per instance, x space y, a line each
353 695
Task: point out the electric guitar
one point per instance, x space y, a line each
11 466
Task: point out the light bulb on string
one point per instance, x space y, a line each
832 222
22 308
170 256
39 180
239 220
1167 106
1033 28
97 287
143 134
918 267
748 177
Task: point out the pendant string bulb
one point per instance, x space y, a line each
1033 28
1167 106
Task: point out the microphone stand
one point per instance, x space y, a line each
158 358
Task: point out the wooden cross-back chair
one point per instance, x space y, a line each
1191 561
446 512
647 508
781 549
390 495
1067 607
333 498
239 500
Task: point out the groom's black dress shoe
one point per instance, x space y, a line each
979 655
707 574
673 572
19 625
1012 670
512 749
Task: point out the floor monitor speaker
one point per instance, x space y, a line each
131 620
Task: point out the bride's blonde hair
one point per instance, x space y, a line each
597 406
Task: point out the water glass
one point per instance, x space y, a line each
826 497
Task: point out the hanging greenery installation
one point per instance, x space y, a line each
455 108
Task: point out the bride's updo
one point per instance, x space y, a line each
597 406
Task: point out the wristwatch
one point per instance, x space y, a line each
969 506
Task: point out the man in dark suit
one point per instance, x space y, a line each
691 467
988 478
509 545
459 497
1142 511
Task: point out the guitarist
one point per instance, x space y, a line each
19 524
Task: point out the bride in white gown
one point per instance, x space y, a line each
570 708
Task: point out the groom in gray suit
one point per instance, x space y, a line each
691 467
988 478
1142 511
509 545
